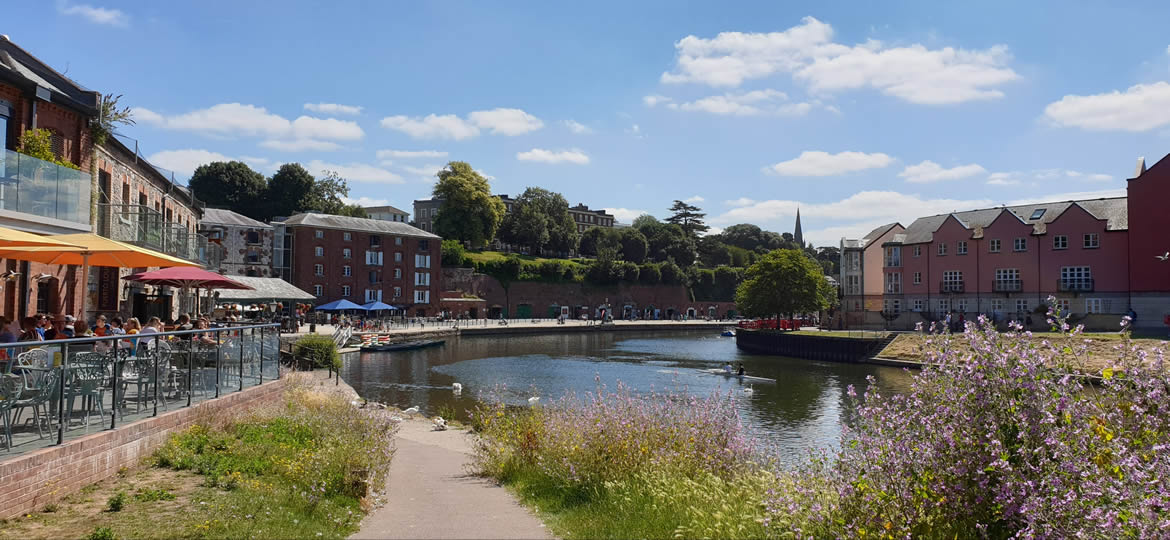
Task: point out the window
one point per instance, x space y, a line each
319 251
1076 278
961 305
1093 305
1020 244
961 247
942 248
1064 306
1037 213
1092 241
346 253
944 305
5 112
996 305
853 285
346 271
318 270
397 256
422 261
253 255
422 279
253 237
345 291
397 273
319 234
374 258
917 251
1007 280
917 278
893 305
952 281
1021 306
893 283
375 241
318 291
893 256
398 240
422 297
854 261
397 292
373 295
993 245
918 304
1060 241
424 245
347 237
373 276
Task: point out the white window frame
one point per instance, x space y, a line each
892 305
397 292
997 305
318 234
346 271
318 269
345 291
422 296
1020 244
346 253
1060 241
422 261
1091 241
397 273
397 256
1094 305
917 278
918 304
942 249
893 283
1022 305
374 258
944 305
994 245
318 251
917 251
961 247
347 236
422 279
953 277
318 290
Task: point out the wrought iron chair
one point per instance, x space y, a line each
10 387
40 387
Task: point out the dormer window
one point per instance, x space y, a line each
1037 213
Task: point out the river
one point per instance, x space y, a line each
803 410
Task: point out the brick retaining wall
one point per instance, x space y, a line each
29 482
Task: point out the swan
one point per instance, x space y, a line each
412 411
440 424
457 388
748 391
533 401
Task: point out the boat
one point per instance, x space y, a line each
728 333
405 346
746 378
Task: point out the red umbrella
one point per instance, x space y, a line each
187 277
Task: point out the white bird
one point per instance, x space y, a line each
457 388
1163 257
412 411
533 401
440 424
748 390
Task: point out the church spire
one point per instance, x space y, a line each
796 235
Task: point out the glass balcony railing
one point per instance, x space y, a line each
33 186
142 226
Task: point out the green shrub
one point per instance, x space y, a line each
38 143
468 262
511 266
551 270
629 272
102 533
151 495
570 273
116 502
672 274
649 274
319 350
453 253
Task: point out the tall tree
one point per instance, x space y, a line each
643 221
634 245
289 191
540 219
597 239
230 184
328 195
783 282
689 218
469 212
669 242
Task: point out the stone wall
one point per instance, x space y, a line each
29 482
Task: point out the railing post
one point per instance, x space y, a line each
218 358
190 369
262 330
117 372
155 363
61 394
241 360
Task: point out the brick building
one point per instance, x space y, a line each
360 260
246 244
387 213
425 211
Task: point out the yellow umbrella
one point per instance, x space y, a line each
12 238
92 250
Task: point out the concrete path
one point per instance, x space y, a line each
430 494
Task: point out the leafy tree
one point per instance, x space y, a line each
540 219
643 221
328 195
38 143
783 282
649 274
726 281
672 274
634 245
670 242
232 185
830 258
712 251
596 239
605 269
453 253
289 191
469 212
629 272
689 218
353 210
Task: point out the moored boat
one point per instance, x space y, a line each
405 346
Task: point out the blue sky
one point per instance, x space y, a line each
859 113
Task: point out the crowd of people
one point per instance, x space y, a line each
42 327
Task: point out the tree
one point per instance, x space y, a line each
596 239
469 212
645 220
453 253
108 118
712 251
328 195
634 245
540 219
289 191
232 185
783 282
726 281
689 218
649 274
672 274
670 242
353 210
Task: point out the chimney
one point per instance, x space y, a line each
1141 167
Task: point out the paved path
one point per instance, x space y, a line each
430 494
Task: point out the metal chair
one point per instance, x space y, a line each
144 372
87 381
37 358
40 386
10 387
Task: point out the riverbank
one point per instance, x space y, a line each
1100 350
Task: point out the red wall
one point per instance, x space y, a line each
1149 229
1107 263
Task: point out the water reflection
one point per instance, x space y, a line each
803 410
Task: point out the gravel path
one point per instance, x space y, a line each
430 494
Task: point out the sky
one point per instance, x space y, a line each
858 113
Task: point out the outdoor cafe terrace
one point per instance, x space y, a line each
55 391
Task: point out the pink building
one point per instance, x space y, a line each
1097 257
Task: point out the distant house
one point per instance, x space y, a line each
387 213
246 243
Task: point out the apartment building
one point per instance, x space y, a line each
360 260
387 213
860 283
246 244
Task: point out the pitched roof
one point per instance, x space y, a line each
1113 210
223 216
387 208
326 221
850 243
264 289
19 66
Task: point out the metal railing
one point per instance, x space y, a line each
1075 284
1007 285
71 385
142 226
34 186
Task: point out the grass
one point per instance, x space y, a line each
302 469
844 333
1100 347
488 256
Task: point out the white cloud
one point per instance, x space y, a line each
1141 107
96 15
742 201
410 154
655 99
577 127
300 145
754 103
1071 196
332 108
365 201
929 171
506 121
236 119
1002 179
636 131
1037 176
426 171
185 161
694 199
548 156
326 128
818 163
447 126
355 172
625 215
807 51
